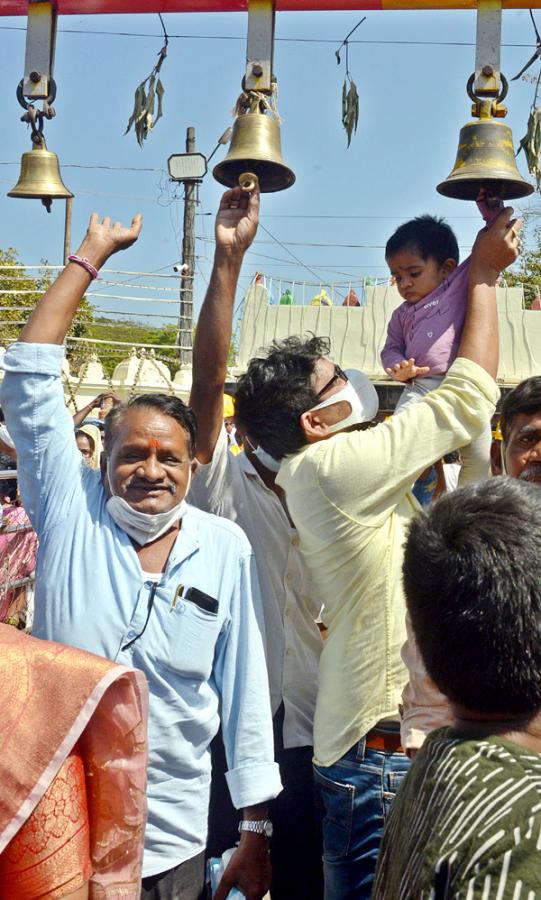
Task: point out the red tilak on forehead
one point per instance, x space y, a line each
154 444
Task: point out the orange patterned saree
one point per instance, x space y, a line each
72 772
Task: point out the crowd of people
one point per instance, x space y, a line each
343 686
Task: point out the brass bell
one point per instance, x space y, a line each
256 150
40 177
485 159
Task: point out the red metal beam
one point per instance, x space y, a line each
88 7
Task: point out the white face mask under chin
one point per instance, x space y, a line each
270 463
144 527
361 395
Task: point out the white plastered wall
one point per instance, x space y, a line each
358 333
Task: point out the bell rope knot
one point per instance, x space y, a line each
255 150
257 102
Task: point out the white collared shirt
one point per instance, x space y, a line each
229 486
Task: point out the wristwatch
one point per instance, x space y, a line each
261 826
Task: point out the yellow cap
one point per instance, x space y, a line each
497 433
229 406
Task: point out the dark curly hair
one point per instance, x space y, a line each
275 391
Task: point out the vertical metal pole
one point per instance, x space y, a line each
487 52
67 229
188 263
260 45
40 47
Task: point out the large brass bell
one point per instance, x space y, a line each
255 149
485 159
40 177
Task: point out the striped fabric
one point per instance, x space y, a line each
466 824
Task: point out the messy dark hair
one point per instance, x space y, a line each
276 389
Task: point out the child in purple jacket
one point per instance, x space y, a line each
424 332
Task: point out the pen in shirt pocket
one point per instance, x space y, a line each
178 593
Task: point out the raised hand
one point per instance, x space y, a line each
497 246
102 239
237 221
406 370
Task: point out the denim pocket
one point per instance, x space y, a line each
393 780
338 802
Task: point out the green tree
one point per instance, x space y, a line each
19 293
527 269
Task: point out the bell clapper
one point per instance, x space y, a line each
248 182
489 196
493 201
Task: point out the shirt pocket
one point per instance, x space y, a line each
192 634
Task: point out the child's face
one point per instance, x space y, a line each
416 277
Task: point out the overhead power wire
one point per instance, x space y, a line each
314 244
287 250
82 166
285 40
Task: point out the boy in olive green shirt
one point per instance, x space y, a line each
467 820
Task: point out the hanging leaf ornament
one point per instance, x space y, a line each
531 144
350 94
146 94
350 107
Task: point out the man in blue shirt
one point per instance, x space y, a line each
126 569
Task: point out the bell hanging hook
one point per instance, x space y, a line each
34 117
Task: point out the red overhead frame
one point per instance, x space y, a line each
88 7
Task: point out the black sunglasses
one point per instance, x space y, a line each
339 374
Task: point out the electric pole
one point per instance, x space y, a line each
188 263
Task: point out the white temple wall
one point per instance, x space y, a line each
358 333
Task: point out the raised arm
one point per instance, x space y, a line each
81 415
495 248
236 226
52 317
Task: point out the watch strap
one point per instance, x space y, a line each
256 826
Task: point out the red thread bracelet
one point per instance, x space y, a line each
85 264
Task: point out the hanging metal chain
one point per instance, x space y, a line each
34 117
152 359
74 391
137 374
67 382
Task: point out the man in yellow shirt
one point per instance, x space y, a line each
348 493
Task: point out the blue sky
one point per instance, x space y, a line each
410 69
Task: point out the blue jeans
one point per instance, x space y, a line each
357 792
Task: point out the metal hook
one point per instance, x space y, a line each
48 100
475 97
